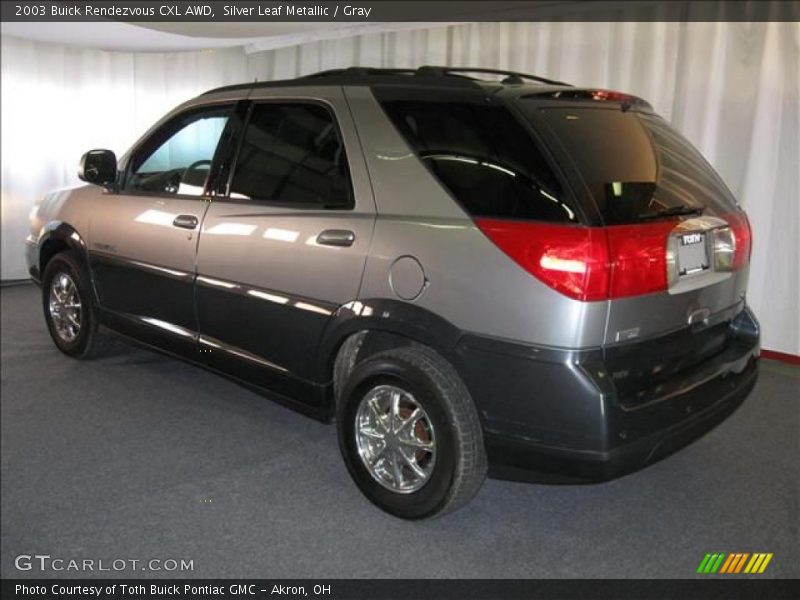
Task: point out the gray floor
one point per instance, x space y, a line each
138 456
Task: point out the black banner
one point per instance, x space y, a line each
374 11
398 589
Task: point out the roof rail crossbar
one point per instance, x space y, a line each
452 76
359 72
511 76
435 71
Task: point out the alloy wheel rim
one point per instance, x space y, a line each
395 439
65 308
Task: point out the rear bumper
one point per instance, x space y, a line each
515 458
554 415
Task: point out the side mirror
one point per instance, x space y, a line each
98 167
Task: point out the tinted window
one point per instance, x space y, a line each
177 159
480 153
635 165
292 153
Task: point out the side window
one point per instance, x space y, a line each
293 154
481 154
177 158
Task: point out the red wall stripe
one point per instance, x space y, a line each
792 359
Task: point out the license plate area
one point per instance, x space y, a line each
692 253
695 254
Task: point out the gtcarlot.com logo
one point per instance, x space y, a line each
734 563
45 562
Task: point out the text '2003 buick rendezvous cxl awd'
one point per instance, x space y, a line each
498 273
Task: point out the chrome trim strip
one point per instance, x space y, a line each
219 345
121 260
156 323
267 295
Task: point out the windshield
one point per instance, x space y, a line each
635 165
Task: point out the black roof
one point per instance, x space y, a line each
458 77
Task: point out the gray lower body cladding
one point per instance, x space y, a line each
561 415
586 414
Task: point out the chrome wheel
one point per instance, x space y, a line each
65 307
395 439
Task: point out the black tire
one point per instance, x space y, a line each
88 341
460 466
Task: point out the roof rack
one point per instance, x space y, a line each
359 72
426 75
511 77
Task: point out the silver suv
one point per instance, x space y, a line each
468 270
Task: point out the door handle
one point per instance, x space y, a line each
336 237
185 221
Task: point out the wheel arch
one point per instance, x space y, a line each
57 237
362 328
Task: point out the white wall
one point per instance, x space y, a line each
58 102
731 88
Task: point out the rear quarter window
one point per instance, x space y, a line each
480 153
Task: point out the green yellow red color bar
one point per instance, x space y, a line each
735 562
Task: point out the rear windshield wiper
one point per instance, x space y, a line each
673 211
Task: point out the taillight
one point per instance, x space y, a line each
742 238
572 260
587 263
591 263
638 258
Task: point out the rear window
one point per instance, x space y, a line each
480 153
635 165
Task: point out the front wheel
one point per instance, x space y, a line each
410 435
68 308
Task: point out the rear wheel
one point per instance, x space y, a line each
395 438
68 307
410 435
